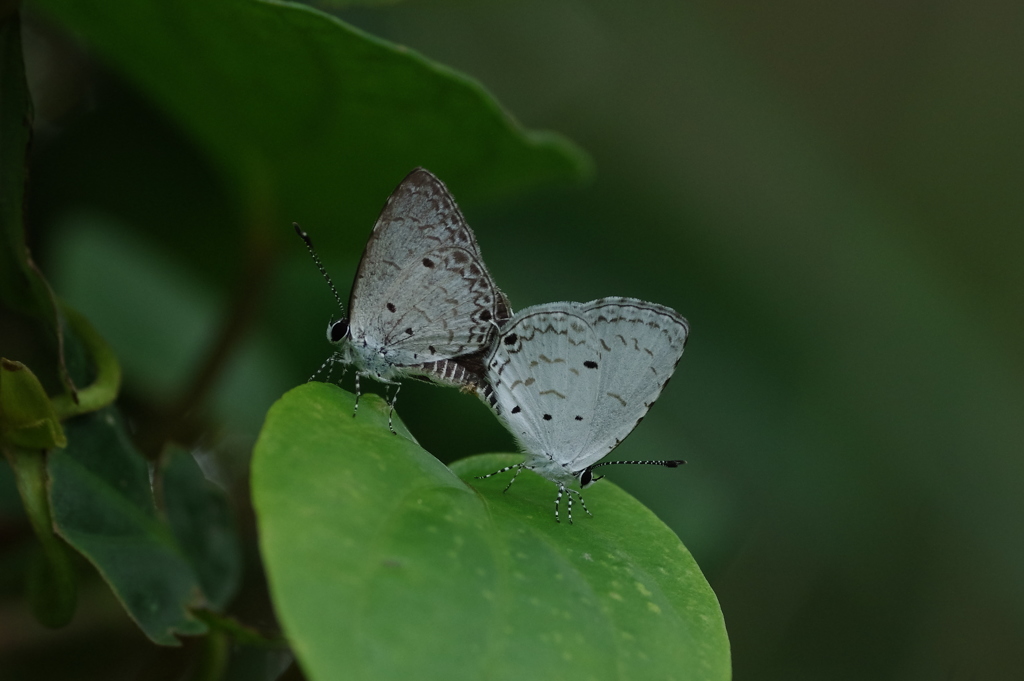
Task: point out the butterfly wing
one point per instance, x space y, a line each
421 288
641 344
543 380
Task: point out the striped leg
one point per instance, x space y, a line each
329 362
330 371
519 469
518 466
583 503
568 495
391 411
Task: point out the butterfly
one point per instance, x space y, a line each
572 380
423 304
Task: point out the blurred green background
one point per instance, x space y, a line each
831 194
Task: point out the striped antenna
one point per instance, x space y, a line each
667 464
320 265
587 476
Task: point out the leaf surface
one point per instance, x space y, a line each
102 504
384 564
309 118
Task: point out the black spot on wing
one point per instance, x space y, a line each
590 364
391 307
547 417
511 339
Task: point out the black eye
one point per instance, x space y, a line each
338 330
586 477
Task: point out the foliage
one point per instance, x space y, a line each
271 112
431 573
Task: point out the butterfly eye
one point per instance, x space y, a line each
337 330
586 477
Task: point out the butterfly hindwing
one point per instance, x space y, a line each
641 344
543 374
572 380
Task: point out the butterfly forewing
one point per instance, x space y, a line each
422 288
447 307
545 381
641 344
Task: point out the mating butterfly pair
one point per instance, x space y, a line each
569 380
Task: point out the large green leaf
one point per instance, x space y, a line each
383 564
311 119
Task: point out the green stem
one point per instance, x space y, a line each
104 388
53 590
214 660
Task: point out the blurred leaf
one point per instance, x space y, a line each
311 119
200 517
103 506
352 3
156 315
27 417
383 564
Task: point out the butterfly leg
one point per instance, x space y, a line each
558 499
391 411
358 393
519 469
327 362
518 466
334 361
583 503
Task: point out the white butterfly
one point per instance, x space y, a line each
572 380
422 304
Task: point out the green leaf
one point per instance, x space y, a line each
310 118
103 506
385 565
200 517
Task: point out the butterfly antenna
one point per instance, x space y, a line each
320 265
667 464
